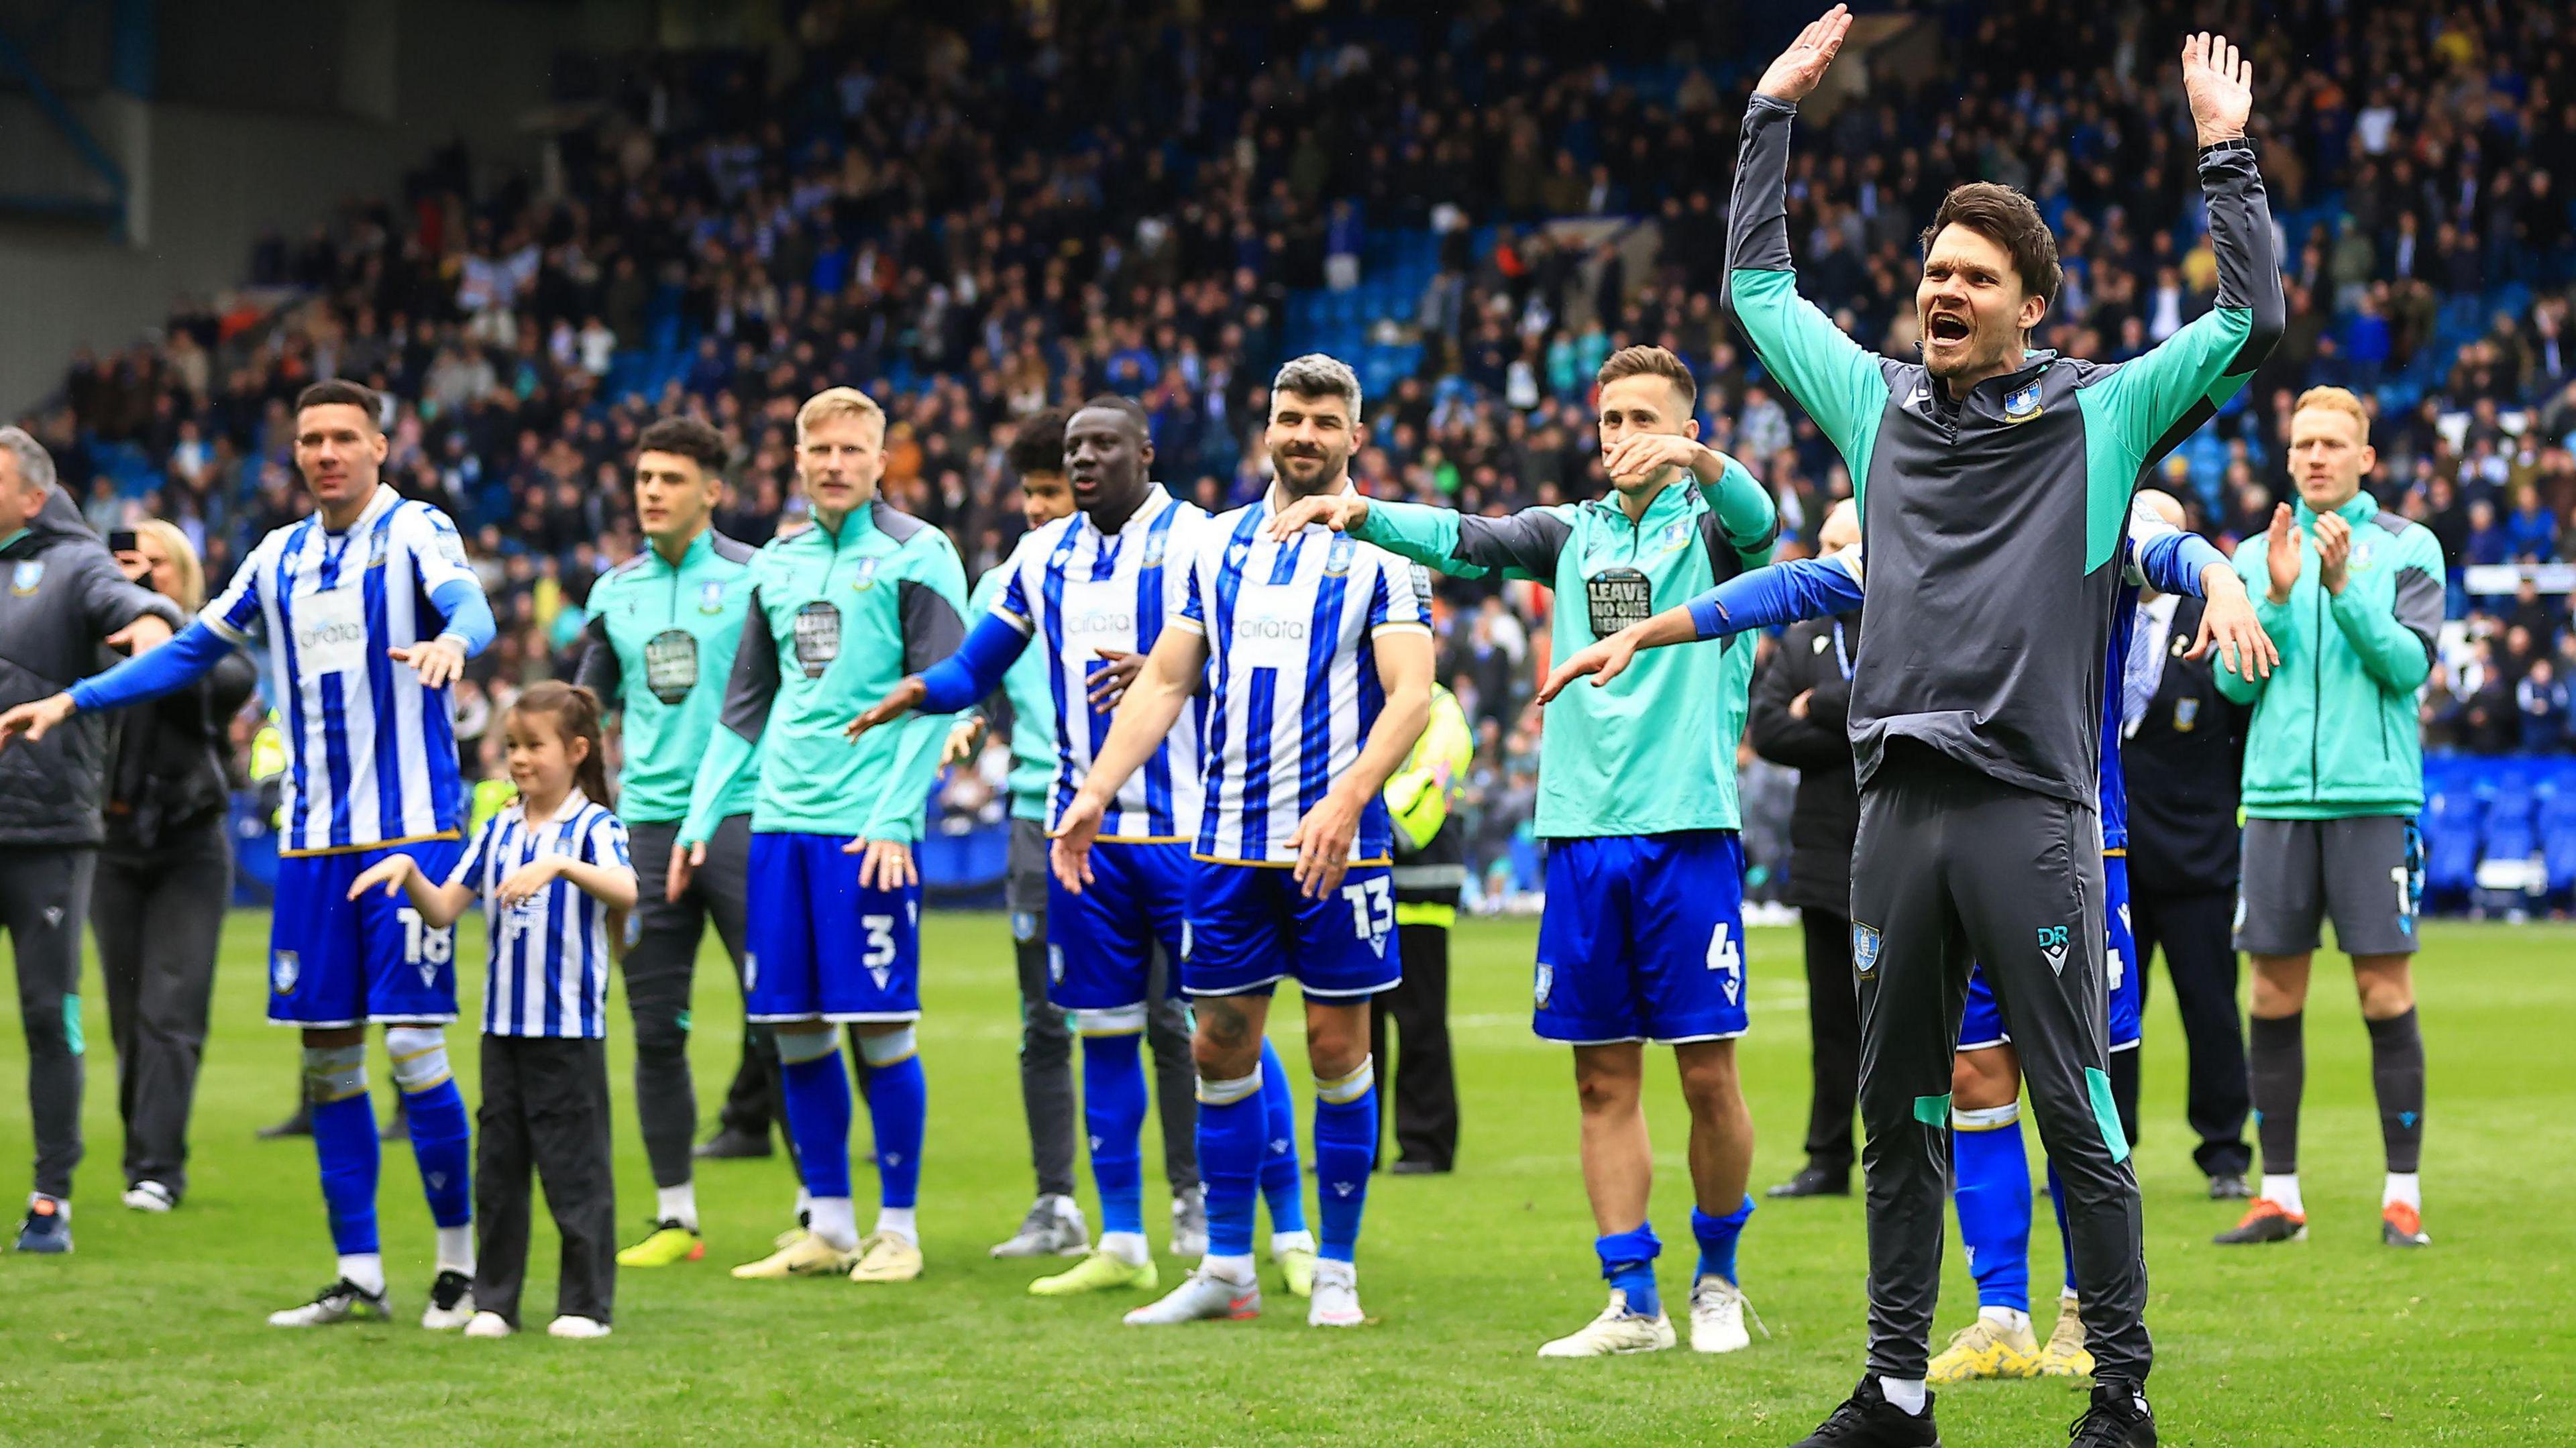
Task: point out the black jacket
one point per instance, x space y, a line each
60 597
1826 817
2183 767
167 772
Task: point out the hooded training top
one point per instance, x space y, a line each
1654 751
836 618
1993 523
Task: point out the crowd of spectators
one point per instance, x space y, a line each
974 225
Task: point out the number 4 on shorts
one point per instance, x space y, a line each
1726 960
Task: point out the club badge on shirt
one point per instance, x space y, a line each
2022 404
24 578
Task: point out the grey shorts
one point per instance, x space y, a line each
1024 882
2366 874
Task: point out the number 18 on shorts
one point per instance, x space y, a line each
1642 939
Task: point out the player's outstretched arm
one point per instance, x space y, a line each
2171 560
1464 545
173 666
1152 706
1834 378
1783 593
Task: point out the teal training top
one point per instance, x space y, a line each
661 645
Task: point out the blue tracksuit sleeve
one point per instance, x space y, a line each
165 670
1780 594
469 615
975 670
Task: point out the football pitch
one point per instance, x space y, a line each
153 1331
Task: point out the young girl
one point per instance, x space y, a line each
552 873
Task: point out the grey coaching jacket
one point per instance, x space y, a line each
60 597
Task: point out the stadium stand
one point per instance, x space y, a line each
975 225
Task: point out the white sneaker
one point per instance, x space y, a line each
580 1327
1336 1301
1201 1297
340 1302
1615 1331
1717 1309
489 1324
150 1197
1189 1223
1053 1228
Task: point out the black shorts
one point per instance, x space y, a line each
2365 873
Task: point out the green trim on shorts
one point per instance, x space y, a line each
2106 1114
1933 1110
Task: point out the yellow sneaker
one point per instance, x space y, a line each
803 1255
1099 1272
667 1243
1985 1349
885 1257
2066 1356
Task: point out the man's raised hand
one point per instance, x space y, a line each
2281 553
2219 83
438 661
1340 512
1803 64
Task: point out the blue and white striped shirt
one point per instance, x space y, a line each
1294 684
1077 591
548 974
371 755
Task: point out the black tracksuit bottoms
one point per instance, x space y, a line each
545 1107
1952 866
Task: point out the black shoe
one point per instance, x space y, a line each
1411 1167
1868 1420
2119 1418
2266 1222
299 1123
397 1126
2229 1186
729 1145
1815 1181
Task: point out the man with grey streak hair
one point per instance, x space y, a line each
64 598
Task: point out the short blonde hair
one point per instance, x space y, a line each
183 556
838 402
2335 399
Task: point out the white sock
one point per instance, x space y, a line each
2403 1186
2285 1191
833 1221
1234 1267
2066 1296
1905 1393
456 1249
1283 1243
367 1269
897 1222
677 1204
2010 1319
1127 1247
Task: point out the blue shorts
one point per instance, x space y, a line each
334 961
816 946
1250 928
1642 939
1982 1024
1100 943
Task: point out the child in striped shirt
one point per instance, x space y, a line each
552 874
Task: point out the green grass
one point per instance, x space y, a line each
153 1332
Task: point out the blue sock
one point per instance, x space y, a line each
1628 1264
1993 1193
1230 1161
1345 1154
1283 1177
1113 1113
2065 1237
898 1112
1717 1237
344 1143
817 1095
443 1145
